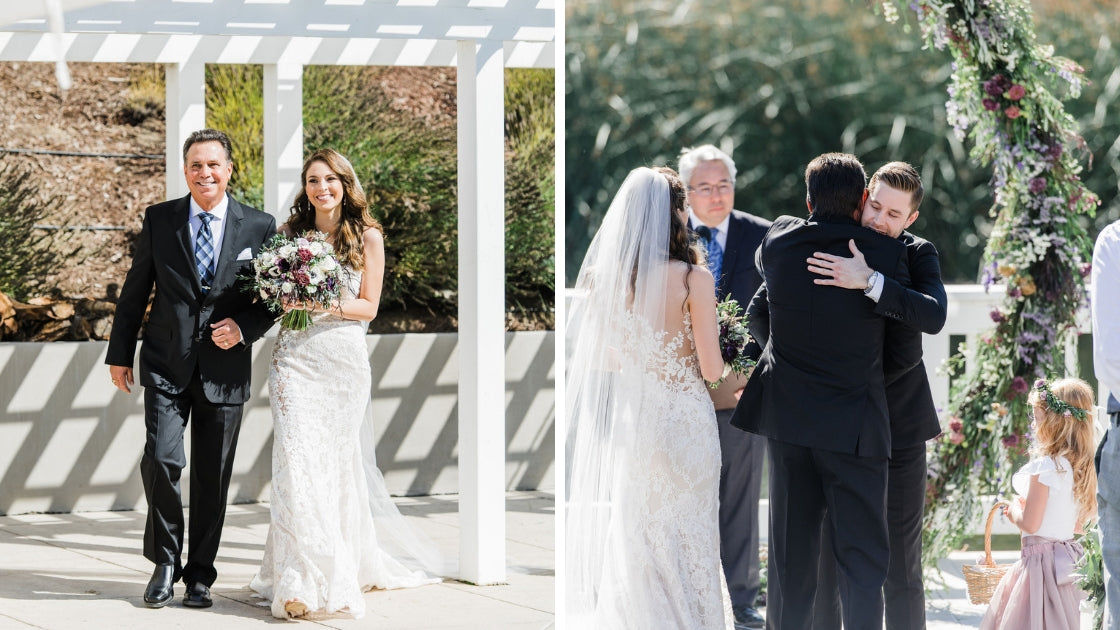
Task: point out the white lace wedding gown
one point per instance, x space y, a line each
323 548
664 571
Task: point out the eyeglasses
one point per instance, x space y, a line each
708 191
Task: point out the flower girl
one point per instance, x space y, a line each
1057 494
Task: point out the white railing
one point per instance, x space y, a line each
969 315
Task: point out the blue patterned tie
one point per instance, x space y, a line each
715 252
204 251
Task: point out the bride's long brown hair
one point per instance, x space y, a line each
355 219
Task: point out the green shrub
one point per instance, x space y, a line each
408 171
30 254
530 189
235 104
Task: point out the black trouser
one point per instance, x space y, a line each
903 592
811 489
740 488
214 430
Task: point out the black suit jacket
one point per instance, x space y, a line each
177 337
914 308
739 280
819 382
922 306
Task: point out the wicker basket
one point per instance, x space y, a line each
982 578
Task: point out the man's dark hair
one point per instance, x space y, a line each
209 135
835 183
902 177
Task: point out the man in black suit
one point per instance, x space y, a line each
195 360
731 238
894 195
818 395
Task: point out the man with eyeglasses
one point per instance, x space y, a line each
731 237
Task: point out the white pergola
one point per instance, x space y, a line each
480 38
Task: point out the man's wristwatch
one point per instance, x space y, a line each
870 282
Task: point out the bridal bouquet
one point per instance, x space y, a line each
733 339
300 270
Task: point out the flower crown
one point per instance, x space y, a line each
1057 405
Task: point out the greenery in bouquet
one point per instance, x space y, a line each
1091 572
1005 96
733 339
297 270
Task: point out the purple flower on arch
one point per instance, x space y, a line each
990 104
1019 384
1010 441
1037 185
1012 112
997 316
1016 92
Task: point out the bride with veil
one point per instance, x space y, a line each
642 521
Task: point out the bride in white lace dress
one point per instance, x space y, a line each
642 517
333 523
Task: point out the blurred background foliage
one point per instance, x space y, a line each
405 158
775 84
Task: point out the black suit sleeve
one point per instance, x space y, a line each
923 304
925 301
257 318
133 299
758 322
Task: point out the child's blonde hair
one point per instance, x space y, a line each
1066 427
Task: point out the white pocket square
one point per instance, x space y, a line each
246 254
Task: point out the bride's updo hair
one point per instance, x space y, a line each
681 247
356 218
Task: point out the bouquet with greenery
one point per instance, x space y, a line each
733 339
300 270
1091 571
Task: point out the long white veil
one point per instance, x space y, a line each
620 287
420 560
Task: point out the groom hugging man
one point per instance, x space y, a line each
818 395
195 360
730 238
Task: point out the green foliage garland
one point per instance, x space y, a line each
1005 95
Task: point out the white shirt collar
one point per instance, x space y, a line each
219 211
721 238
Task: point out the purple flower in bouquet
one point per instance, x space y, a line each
300 270
733 340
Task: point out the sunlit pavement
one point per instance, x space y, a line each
86 570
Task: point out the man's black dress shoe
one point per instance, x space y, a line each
747 618
161 588
197 596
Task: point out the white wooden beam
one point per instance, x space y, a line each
481 117
283 137
185 114
256 49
